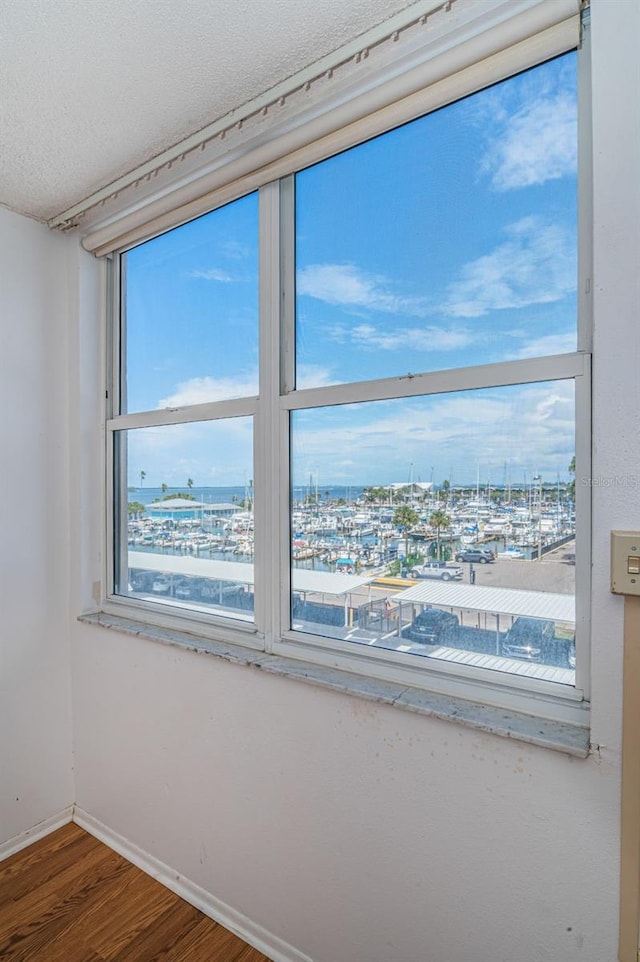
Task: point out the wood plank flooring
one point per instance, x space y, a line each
69 898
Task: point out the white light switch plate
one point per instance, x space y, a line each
625 562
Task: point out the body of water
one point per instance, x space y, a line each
233 494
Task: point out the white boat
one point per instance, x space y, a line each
512 554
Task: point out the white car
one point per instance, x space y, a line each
439 570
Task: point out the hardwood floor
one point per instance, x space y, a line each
69 898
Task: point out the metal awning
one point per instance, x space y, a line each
320 582
476 659
510 601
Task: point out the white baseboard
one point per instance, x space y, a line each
48 825
252 933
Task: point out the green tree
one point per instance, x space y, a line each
163 488
143 475
439 520
135 509
375 495
413 560
405 517
571 487
189 483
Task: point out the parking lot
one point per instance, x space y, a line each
555 571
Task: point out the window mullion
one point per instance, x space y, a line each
287 379
583 529
498 374
585 199
212 410
585 343
266 436
116 457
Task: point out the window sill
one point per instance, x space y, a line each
556 735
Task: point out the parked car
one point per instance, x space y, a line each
183 589
530 639
161 585
481 556
433 627
437 569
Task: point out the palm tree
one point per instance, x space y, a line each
439 520
163 488
405 517
571 487
143 475
189 483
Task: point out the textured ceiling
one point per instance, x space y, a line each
90 89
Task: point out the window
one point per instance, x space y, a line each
183 443
348 406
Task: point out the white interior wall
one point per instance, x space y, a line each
354 831
361 833
36 780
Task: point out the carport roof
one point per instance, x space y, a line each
512 601
320 582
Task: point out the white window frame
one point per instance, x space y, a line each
271 411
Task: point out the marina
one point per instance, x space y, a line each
370 566
348 530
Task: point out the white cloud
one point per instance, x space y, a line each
535 265
313 375
413 339
204 390
234 249
347 286
210 452
201 390
536 144
526 429
549 344
213 274
529 428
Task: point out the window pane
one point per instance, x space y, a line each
190 304
442 527
184 519
448 242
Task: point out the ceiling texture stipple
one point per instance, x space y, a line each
90 89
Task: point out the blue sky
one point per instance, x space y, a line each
448 242
457 248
